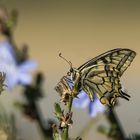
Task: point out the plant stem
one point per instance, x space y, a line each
65 134
69 105
40 122
113 118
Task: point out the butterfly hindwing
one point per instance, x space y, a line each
101 79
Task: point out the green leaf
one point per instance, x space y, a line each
58 110
57 136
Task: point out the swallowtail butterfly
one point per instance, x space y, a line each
100 75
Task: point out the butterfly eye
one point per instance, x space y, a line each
71 70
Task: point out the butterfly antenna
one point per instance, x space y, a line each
60 55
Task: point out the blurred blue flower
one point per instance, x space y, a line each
83 101
15 73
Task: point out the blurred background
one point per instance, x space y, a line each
80 30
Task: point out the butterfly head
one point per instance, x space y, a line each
72 71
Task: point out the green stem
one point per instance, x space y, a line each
65 134
69 105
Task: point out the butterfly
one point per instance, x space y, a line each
100 75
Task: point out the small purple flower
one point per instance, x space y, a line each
83 101
15 73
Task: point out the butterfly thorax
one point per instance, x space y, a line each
75 76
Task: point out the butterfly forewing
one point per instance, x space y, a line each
118 58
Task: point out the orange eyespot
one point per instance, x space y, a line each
104 100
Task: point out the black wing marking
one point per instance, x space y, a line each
118 58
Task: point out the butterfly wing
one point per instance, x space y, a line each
101 75
118 58
104 80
